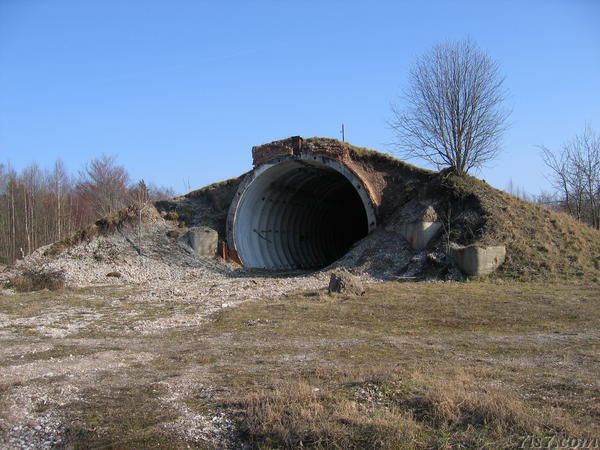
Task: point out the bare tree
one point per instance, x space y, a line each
58 180
160 192
104 185
142 197
451 114
575 173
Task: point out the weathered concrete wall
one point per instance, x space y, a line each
419 234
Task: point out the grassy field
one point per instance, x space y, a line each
407 365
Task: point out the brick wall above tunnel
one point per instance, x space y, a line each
296 145
329 148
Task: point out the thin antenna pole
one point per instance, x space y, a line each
343 134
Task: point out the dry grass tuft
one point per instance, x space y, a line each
460 400
294 414
36 280
122 417
355 408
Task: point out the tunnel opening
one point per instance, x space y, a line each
299 214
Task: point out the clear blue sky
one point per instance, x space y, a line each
181 90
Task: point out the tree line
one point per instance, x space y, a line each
39 206
574 171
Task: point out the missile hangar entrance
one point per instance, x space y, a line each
299 212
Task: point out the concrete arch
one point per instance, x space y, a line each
298 212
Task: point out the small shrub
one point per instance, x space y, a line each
36 280
85 234
173 234
55 249
114 274
172 215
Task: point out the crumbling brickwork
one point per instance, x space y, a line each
296 145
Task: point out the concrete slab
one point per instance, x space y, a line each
419 234
478 261
203 241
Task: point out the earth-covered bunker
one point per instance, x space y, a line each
323 197
302 207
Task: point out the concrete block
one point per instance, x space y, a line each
419 234
477 261
203 241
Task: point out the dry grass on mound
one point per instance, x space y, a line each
127 216
540 243
36 280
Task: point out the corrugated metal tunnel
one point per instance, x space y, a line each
299 213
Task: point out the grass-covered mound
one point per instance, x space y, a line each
540 243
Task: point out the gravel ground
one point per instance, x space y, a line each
163 270
155 271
